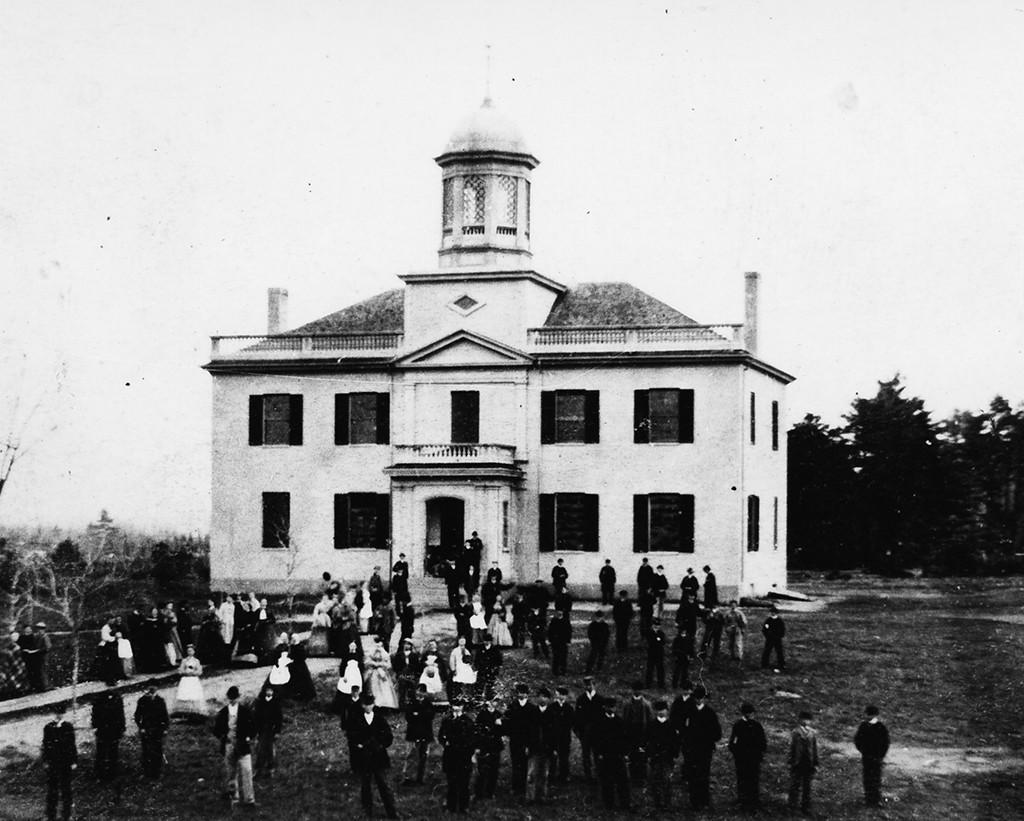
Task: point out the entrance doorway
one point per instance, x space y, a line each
445 532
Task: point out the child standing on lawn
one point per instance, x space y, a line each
803 763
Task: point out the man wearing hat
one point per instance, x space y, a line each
235 726
108 724
661 743
703 733
679 715
655 654
637 716
559 637
803 763
872 742
369 739
488 665
419 732
35 647
774 629
748 744
60 755
152 720
563 720
457 737
611 746
488 729
522 726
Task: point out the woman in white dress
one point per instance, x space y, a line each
317 644
431 676
460 662
350 676
501 618
477 622
190 701
366 611
379 681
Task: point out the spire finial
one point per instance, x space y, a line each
487 76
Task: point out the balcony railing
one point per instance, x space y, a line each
313 346
609 337
454 453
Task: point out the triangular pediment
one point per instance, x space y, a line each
464 349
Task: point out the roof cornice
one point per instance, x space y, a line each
474 274
587 359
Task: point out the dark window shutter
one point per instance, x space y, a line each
775 425
641 530
295 419
255 420
546 541
686 523
340 519
383 518
547 417
753 523
383 418
641 417
591 532
753 418
341 418
686 415
592 417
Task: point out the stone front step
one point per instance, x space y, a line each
428 592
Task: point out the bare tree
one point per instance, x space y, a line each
291 555
76 584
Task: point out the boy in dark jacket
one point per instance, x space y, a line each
152 720
622 615
564 720
108 722
559 636
748 744
419 732
369 739
488 748
611 746
60 755
538 627
521 723
682 649
872 742
703 732
774 630
269 720
597 635
662 745
458 738
803 763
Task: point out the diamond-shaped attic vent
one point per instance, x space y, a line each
465 302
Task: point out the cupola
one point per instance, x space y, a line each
485 193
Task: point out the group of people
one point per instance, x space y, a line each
23 661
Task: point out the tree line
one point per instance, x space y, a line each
892 489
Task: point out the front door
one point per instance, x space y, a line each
445 532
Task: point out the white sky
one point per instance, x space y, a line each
162 164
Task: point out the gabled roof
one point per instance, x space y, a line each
612 303
464 349
383 312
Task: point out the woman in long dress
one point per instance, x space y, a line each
190 701
302 682
366 609
431 676
172 641
349 676
210 645
460 662
280 676
378 679
499 627
266 634
318 644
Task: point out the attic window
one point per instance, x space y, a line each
465 305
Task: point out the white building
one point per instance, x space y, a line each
580 423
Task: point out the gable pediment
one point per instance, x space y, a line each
464 349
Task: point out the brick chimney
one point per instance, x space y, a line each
751 281
277 310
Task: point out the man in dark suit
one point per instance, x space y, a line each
588 710
419 732
559 637
702 734
488 731
60 755
108 723
872 742
559 576
458 738
655 654
521 724
235 726
622 615
606 578
710 588
611 746
269 720
488 665
563 719
644 577
774 630
597 635
661 742
407 666
400 584
689 584
748 744
351 709
369 739
152 720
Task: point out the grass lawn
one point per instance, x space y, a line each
943 660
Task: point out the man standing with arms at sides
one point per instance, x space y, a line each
606 578
682 649
475 549
662 746
488 665
494 574
588 710
637 716
235 727
689 585
543 760
659 587
710 588
774 630
803 763
60 755
108 722
748 744
655 654
400 584
488 745
559 636
644 578
369 739
563 718
521 724
611 745
559 576
457 737
419 732
351 709
735 631
702 734
622 615
597 635
268 719
872 742
152 720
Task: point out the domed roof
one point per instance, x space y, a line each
487 129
